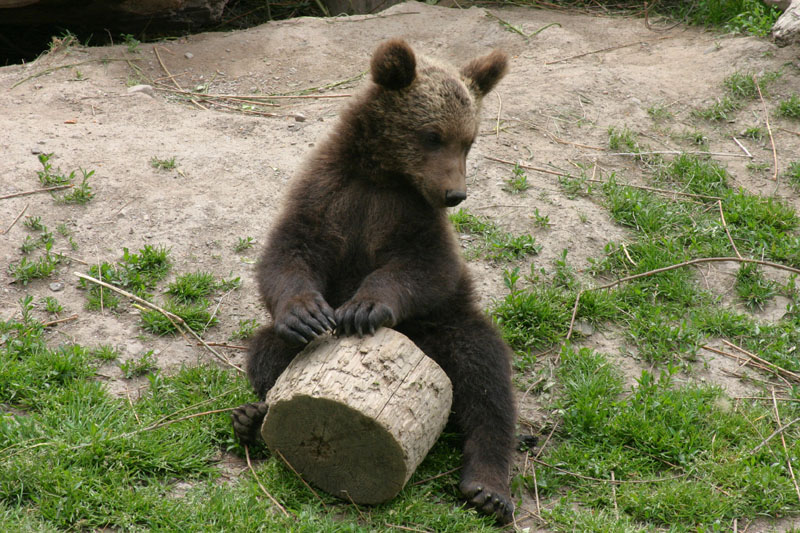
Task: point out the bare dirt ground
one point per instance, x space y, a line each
233 167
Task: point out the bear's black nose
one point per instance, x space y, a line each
452 198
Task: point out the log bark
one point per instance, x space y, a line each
786 29
355 417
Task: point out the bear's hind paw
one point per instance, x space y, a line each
489 502
247 420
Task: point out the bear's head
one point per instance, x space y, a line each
423 115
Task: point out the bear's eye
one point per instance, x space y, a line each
431 139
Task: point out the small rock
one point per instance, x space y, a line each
299 118
56 286
188 55
145 89
35 151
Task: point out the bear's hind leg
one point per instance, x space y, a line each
477 361
267 358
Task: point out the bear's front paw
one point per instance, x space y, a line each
303 318
362 317
247 420
493 502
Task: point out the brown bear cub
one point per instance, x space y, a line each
364 242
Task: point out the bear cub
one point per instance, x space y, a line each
364 242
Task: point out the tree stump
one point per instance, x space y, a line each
355 417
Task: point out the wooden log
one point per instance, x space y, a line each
355 417
786 29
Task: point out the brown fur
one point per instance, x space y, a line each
364 242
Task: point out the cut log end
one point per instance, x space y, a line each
336 447
356 416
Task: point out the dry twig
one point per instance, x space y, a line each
16 219
725 225
34 191
175 319
769 130
296 473
263 488
608 49
783 441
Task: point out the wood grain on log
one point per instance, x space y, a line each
356 416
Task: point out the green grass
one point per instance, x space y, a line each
192 287
740 87
790 108
163 164
793 174
136 273
77 458
496 244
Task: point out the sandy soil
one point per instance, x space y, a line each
233 167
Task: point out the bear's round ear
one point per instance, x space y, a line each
394 65
483 73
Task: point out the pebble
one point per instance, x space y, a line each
299 118
56 286
188 55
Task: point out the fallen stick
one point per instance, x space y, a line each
608 49
171 316
35 191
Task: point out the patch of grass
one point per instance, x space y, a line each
697 175
26 270
245 330
753 288
789 108
140 366
76 457
244 243
793 174
105 352
688 437
162 164
192 287
719 110
518 182
136 273
742 85
659 112
497 245
756 133
622 139
696 137
195 314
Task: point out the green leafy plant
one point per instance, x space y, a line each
518 182
244 243
163 164
80 194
